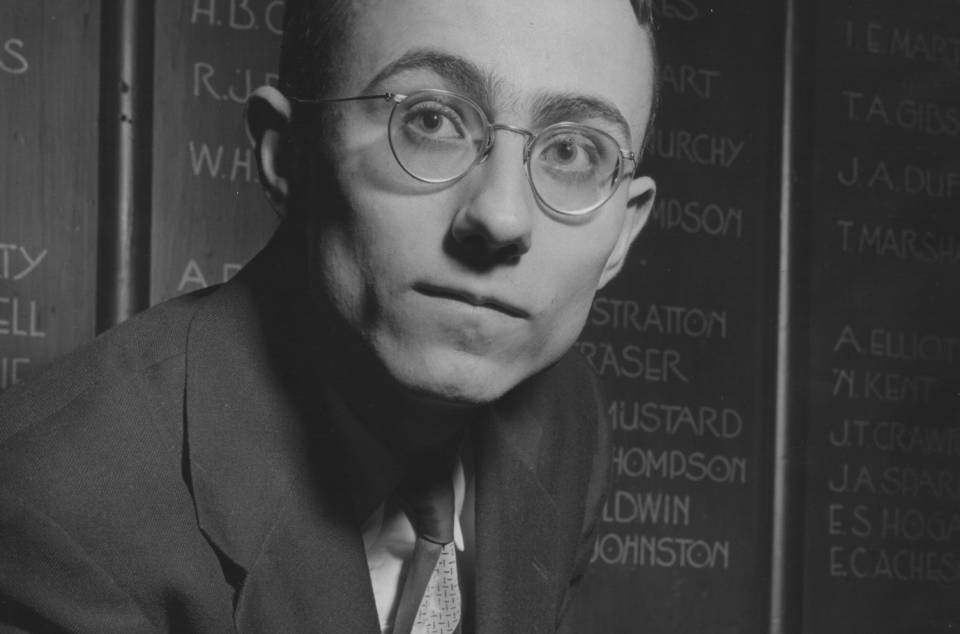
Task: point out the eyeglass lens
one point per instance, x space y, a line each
438 136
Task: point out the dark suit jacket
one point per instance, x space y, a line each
179 474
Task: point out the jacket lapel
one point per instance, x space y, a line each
260 461
516 521
310 575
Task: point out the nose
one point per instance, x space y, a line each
495 224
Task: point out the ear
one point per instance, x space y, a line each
268 114
639 204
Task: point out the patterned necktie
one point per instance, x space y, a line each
430 598
439 611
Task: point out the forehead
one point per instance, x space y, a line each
594 48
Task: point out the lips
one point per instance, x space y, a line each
471 298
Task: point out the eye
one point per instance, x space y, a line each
431 121
434 121
571 154
564 152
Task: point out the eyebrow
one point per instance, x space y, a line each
555 107
466 77
463 75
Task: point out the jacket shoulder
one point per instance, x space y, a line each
103 365
93 487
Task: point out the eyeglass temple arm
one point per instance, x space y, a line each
633 158
385 96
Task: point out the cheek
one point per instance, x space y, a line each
578 259
347 253
569 305
570 310
365 250
335 277
576 266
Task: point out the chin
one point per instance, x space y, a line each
459 379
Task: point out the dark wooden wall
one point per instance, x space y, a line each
878 363
684 340
49 89
209 215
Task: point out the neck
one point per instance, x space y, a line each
406 422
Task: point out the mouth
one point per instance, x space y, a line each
473 299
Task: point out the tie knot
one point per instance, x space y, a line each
427 496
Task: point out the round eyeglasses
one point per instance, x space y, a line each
437 136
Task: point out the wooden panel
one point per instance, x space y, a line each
49 83
882 193
209 213
684 340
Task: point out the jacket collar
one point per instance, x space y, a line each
533 461
516 523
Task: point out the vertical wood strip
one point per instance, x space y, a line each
123 260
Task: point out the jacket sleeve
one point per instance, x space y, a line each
49 584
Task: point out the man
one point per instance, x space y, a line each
457 181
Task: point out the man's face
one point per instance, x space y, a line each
465 289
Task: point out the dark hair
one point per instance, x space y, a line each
312 50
